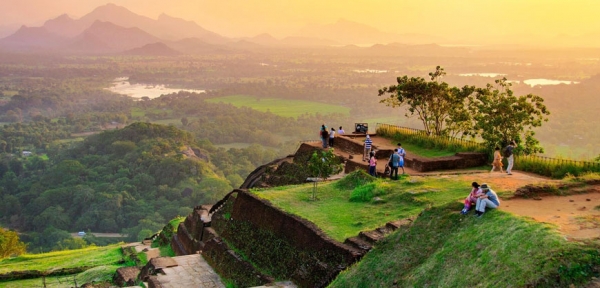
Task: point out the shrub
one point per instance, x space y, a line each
363 193
355 179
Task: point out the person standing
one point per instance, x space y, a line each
508 153
331 136
488 199
368 144
402 153
341 131
325 137
497 160
372 164
394 163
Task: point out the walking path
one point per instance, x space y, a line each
191 271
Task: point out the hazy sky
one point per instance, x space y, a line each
456 18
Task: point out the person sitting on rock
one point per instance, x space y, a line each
488 199
472 198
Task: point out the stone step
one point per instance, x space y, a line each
393 225
371 236
359 243
384 230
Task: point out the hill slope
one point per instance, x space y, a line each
128 180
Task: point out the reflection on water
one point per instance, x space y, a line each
534 82
482 74
122 86
370 71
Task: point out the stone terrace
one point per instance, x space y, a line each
350 147
191 271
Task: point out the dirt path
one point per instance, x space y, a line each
575 216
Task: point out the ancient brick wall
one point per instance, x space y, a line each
263 233
349 145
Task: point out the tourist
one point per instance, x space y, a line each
497 160
372 164
472 198
508 153
325 137
331 136
488 199
368 144
394 163
341 131
402 153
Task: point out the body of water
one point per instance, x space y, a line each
482 74
122 86
534 82
370 71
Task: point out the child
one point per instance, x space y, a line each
372 164
497 160
472 198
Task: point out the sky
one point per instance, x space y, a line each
236 18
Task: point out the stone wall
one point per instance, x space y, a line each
349 144
458 161
287 245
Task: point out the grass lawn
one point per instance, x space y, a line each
96 274
340 218
92 256
281 107
446 249
424 152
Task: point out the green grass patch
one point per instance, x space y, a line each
281 107
425 152
96 274
446 249
556 168
91 256
420 140
340 218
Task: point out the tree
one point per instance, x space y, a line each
323 166
501 117
10 243
440 108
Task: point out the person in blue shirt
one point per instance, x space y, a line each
402 153
488 199
394 164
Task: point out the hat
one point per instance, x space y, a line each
484 186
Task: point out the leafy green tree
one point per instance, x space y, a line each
501 117
323 166
70 244
438 106
10 243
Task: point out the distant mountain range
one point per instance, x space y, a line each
112 29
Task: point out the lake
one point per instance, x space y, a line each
534 82
122 86
482 74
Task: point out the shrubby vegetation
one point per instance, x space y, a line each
127 180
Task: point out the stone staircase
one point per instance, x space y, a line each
366 239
